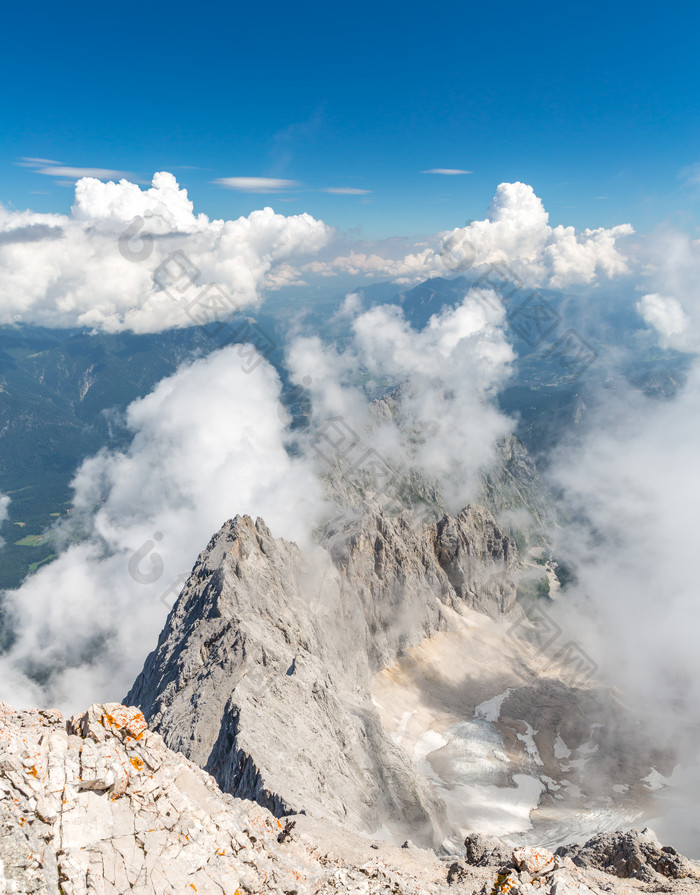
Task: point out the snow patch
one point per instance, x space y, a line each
490 710
400 732
528 740
561 750
655 780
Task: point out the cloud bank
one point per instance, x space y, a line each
630 481
95 267
515 231
443 377
208 443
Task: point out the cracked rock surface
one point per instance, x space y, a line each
99 804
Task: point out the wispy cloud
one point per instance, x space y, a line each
256 184
450 172
77 173
36 162
52 168
346 191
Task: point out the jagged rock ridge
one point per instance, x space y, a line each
262 673
634 855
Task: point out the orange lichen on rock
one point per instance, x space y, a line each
506 883
534 860
125 718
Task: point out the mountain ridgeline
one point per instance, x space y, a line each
263 671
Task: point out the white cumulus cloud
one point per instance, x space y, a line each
516 231
446 424
665 314
95 267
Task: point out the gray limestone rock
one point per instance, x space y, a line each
486 851
161 826
636 854
262 672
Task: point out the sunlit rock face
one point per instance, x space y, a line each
97 803
262 674
387 679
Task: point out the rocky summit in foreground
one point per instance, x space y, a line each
99 804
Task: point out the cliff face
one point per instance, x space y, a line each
262 674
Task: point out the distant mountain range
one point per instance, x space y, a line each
62 392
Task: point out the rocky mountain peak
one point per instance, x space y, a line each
262 673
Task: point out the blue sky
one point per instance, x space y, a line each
582 102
